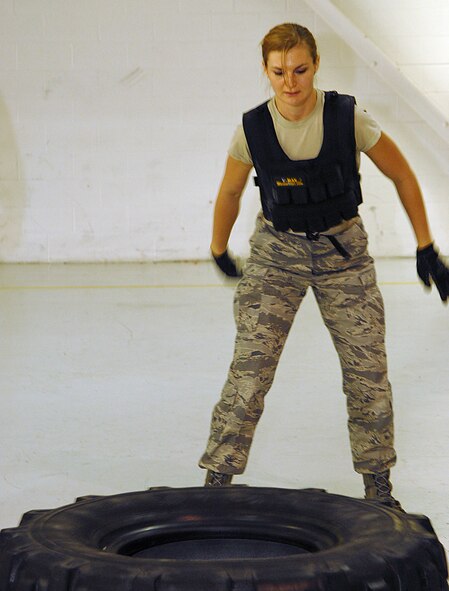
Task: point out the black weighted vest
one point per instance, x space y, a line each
307 195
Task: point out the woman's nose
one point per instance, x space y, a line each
290 80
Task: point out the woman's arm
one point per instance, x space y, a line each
228 203
389 160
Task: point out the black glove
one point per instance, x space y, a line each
430 266
227 265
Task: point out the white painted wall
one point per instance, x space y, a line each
115 117
415 35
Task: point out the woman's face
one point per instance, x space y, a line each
291 76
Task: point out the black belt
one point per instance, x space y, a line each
341 249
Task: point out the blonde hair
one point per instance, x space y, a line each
286 36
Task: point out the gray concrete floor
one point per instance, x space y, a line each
109 374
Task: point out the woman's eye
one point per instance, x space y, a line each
301 71
278 73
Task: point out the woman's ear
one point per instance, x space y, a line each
317 63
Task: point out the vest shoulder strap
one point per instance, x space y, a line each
259 128
338 120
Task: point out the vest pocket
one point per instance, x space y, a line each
334 182
317 193
300 195
281 195
280 216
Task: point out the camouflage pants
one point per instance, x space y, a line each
280 268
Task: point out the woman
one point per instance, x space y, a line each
305 145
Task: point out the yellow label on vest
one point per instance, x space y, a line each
290 181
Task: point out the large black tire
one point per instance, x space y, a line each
222 539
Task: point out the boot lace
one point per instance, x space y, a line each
218 479
382 484
383 489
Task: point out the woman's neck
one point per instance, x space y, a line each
297 112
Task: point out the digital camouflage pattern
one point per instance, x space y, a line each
280 269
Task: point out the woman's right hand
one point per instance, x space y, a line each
225 213
227 264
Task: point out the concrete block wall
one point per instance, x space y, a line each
115 118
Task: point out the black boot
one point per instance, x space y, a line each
378 487
217 479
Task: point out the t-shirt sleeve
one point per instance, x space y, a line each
239 146
367 130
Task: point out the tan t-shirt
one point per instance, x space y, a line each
302 140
